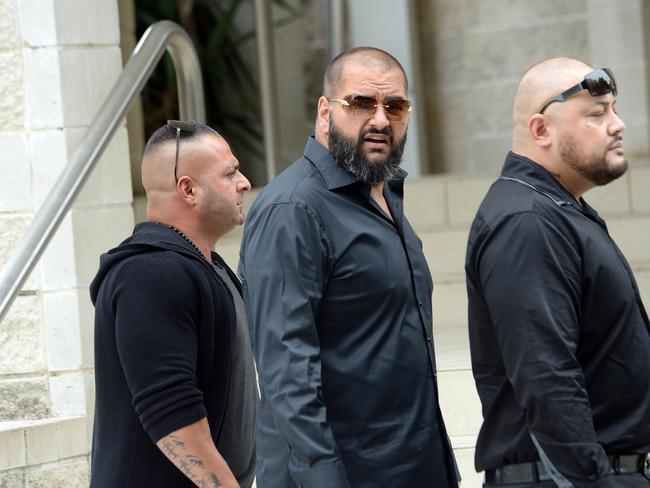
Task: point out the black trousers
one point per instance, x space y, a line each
631 480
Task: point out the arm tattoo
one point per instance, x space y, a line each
187 463
172 446
210 481
169 446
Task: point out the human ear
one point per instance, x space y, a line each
322 124
186 189
540 131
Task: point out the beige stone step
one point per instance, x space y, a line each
458 398
45 452
464 452
437 201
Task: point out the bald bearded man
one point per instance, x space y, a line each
560 339
176 395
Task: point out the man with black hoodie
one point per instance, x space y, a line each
176 398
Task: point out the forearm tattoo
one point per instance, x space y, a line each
174 449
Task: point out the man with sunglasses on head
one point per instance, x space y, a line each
339 300
176 394
560 339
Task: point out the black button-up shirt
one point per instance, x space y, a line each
560 340
339 300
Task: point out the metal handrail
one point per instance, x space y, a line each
268 86
161 36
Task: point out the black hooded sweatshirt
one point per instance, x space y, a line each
164 327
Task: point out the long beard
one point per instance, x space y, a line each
349 155
592 167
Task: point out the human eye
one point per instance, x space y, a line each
397 107
363 103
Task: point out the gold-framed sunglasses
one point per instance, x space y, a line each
397 109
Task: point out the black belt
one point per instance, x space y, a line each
518 473
535 472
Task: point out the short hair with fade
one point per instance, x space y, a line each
168 133
375 56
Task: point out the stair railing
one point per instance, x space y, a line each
161 36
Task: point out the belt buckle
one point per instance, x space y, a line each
646 466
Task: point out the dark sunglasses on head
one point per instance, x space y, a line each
396 109
179 126
599 82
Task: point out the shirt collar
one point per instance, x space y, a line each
525 169
336 177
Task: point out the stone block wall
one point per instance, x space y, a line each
475 51
58 61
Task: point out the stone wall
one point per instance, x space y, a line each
475 51
58 61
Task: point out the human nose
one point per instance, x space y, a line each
243 184
617 125
379 119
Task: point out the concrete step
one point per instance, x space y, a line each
459 401
434 202
27 445
464 452
458 398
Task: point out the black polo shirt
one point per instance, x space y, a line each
339 301
560 340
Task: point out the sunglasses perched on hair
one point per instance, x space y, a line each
179 126
599 82
396 109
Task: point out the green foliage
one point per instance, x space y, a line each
225 50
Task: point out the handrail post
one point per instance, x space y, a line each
268 91
159 37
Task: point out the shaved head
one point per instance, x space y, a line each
578 139
365 56
158 166
158 161
160 155
539 84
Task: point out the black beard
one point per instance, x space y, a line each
350 157
594 168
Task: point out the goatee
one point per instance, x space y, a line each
349 155
594 168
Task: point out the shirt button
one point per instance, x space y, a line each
420 303
428 339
